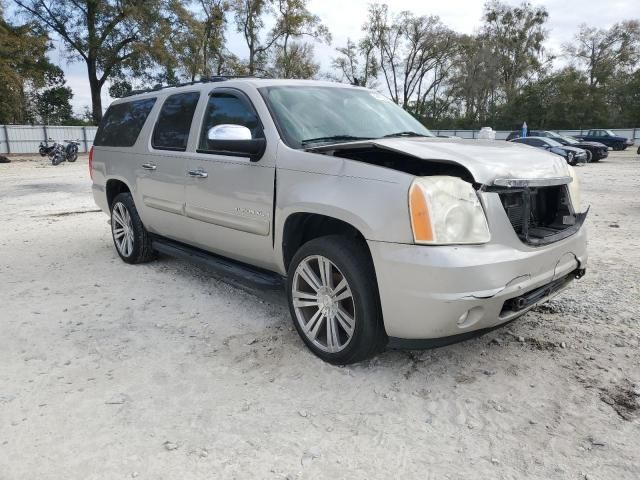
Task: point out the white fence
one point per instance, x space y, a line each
633 133
27 138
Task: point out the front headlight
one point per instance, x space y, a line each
574 191
446 210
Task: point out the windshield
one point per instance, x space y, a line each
312 115
610 133
570 140
552 142
551 134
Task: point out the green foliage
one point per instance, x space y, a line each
357 63
120 88
499 76
31 88
114 38
296 61
53 104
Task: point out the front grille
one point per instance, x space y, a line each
540 215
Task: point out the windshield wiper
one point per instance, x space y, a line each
334 138
405 134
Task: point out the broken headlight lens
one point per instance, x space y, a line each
574 191
446 210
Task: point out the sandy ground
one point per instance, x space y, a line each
161 371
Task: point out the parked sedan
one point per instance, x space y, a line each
607 137
572 155
595 150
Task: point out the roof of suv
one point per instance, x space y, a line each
231 82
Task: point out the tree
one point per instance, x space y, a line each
415 56
24 70
294 21
296 62
112 37
249 18
196 43
120 88
53 105
515 36
474 82
625 99
603 53
357 63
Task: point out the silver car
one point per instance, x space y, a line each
382 234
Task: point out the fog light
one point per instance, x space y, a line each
470 317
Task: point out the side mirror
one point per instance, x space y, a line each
228 139
229 132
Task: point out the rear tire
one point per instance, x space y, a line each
333 300
131 239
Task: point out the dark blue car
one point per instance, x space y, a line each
607 137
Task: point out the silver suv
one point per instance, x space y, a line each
383 234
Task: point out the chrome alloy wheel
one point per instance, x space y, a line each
323 304
122 229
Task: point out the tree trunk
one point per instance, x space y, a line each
96 89
252 69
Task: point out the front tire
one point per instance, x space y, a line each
333 299
131 239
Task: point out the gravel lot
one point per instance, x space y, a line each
162 371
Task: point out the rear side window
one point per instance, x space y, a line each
227 108
174 122
122 123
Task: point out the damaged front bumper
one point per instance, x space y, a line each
450 291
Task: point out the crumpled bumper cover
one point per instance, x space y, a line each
434 292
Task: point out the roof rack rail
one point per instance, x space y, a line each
215 78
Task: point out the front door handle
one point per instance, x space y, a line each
199 173
149 166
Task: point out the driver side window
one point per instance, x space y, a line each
225 108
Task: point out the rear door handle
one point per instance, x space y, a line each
149 166
199 173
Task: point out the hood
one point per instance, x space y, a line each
591 144
486 160
571 148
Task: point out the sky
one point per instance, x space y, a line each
345 17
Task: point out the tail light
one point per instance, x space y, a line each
91 162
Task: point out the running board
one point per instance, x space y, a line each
228 270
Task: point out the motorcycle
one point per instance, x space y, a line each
72 150
45 149
61 153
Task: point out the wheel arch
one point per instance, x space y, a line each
301 227
115 186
